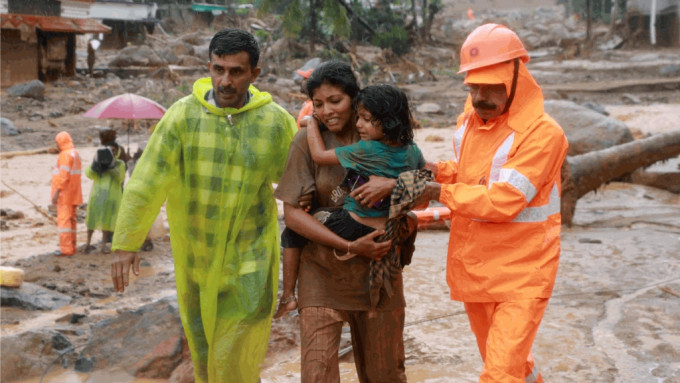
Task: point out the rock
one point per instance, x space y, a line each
145 342
33 297
670 70
596 107
137 55
429 108
630 99
7 127
32 89
196 38
29 353
586 129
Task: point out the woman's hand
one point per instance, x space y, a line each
305 201
367 247
376 189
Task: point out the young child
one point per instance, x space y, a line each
386 149
107 173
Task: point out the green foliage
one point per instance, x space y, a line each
261 35
396 39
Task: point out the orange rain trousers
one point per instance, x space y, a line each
505 332
66 223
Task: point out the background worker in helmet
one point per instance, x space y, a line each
307 108
503 188
214 156
66 192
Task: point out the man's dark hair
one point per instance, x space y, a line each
335 73
230 41
389 106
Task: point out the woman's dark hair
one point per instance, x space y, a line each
230 41
335 73
389 106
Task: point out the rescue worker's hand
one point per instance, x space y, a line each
120 268
55 198
432 166
367 247
431 193
305 201
376 189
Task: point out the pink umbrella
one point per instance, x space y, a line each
127 106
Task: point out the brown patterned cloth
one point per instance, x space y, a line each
410 186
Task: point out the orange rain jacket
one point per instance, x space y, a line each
66 175
503 188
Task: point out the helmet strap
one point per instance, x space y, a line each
515 74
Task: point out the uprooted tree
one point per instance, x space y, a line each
587 172
393 24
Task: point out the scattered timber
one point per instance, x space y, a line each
586 172
47 149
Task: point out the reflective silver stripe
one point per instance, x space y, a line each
458 141
75 171
66 230
519 181
55 171
64 167
500 158
533 376
541 213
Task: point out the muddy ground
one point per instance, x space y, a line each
615 313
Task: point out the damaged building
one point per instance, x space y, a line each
655 21
38 42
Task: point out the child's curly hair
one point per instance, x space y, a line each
389 106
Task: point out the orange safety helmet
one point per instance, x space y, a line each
491 44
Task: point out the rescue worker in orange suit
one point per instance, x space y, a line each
503 188
66 192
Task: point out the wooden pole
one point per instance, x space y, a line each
38 208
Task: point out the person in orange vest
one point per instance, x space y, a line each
503 188
307 109
66 192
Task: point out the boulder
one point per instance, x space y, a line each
586 129
30 353
145 342
30 296
137 55
429 108
8 128
32 89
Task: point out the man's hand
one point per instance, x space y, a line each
120 269
55 198
431 193
432 166
376 189
367 247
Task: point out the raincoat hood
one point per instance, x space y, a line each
527 104
64 141
203 85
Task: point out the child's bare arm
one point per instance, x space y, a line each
316 146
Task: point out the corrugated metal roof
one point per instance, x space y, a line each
52 23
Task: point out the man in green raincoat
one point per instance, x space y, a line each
214 156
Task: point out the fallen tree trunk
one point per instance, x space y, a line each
586 172
47 149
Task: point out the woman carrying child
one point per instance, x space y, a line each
332 291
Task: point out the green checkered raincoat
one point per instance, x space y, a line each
215 166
